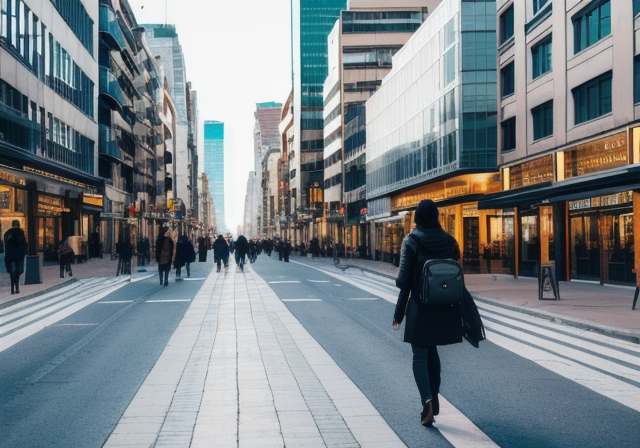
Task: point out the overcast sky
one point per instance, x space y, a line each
237 53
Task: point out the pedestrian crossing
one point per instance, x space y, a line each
606 366
19 321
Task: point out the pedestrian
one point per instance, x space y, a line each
143 250
242 247
286 250
15 247
221 252
280 249
124 250
185 255
65 257
164 254
202 249
427 326
95 245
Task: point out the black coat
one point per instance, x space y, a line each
15 248
185 252
426 325
220 248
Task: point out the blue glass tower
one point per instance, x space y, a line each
214 169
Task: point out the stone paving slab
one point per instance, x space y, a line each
241 371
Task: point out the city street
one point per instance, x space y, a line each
297 354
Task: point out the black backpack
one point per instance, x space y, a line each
441 281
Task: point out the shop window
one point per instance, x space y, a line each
541 57
508 80
591 24
542 120
529 246
506 25
593 98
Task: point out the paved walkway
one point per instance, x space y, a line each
240 370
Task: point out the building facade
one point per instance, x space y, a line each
431 132
568 147
164 42
361 46
49 81
311 20
214 169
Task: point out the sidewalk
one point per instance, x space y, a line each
94 267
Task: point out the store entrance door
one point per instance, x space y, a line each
49 237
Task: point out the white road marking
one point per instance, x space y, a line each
193 279
364 298
613 388
76 325
458 429
320 281
285 281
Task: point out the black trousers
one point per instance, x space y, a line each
426 371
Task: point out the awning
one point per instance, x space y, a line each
600 184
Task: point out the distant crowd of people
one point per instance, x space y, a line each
179 253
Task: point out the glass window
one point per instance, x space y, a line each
508 128
541 57
507 80
636 79
449 66
593 98
3 18
591 25
506 25
542 120
538 4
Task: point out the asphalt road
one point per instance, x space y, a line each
68 384
513 400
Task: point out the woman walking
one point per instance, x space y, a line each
427 326
164 254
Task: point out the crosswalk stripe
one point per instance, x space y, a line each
613 388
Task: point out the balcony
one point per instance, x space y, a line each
110 28
110 89
108 144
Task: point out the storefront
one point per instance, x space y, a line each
485 237
49 207
575 210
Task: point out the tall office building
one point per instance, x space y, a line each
431 133
49 78
311 22
266 144
361 46
214 168
164 42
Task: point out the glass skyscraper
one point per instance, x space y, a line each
214 169
311 22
